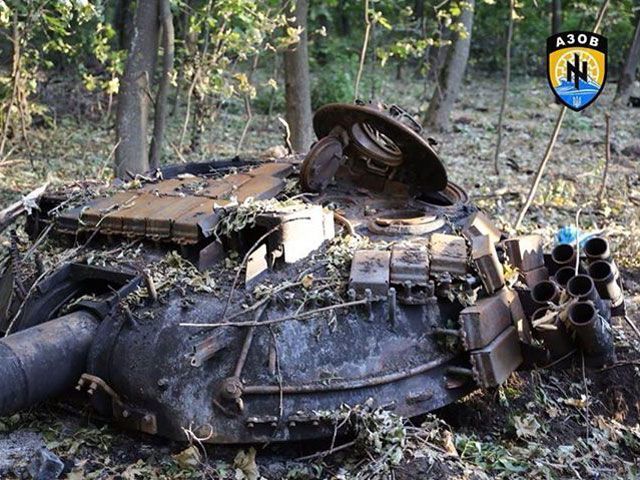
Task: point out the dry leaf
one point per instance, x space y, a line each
245 464
526 426
188 458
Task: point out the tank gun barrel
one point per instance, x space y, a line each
44 361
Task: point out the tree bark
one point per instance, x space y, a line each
556 25
505 87
160 118
450 78
134 96
297 86
556 16
122 23
628 74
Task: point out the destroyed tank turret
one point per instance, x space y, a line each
245 302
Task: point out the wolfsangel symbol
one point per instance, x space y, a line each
577 67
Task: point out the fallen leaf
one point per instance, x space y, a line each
245 464
188 458
526 426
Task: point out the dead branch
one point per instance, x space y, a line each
607 162
505 86
247 106
554 136
541 167
25 204
299 316
365 45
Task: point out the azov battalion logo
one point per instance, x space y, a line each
577 67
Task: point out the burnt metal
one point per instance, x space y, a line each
483 322
322 163
487 263
479 224
563 275
408 308
525 253
406 222
532 277
44 361
556 340
603 276
582 287
370 270
493 364
597 248
564 254
545 292
593 333
422 170
449 254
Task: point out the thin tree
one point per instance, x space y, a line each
363 51
554 137
134 97
628 74
607 158
450 77
556 16
505 86
297 84
556 23
160 114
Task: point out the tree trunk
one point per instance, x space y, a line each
297 87
134 95
450 78
160 119
628 74
556 16
122 23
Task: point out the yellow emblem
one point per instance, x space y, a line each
577 67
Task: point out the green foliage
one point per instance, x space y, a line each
330 85
533 26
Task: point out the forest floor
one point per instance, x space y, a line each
542 424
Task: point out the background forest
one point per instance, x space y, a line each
197 66
93 90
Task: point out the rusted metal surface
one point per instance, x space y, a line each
322 163
493 364
181 210
409 265
478 225
370 272
386 286
525 253
485 257
292 225
420 166
532 277
448 253
608 288
41 362
483 322
593 333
